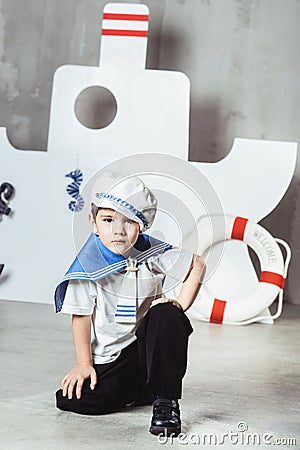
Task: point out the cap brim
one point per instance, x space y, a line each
110 204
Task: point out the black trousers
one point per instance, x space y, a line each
154 364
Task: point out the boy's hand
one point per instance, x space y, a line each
76 377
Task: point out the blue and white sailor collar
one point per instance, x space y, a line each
95 261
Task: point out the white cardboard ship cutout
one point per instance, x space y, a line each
152 117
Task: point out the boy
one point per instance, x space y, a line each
130 341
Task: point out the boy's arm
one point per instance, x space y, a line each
192 283
190 286
81 326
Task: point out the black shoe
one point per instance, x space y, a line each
166 417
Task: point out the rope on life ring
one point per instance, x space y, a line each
271 281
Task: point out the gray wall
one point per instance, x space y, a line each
242 57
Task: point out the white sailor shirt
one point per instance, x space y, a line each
100 299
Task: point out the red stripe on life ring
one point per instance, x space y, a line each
217 311
137 17
238 229
272 278
135 33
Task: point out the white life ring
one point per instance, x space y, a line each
271 280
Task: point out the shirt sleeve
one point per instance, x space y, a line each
174 263
80 298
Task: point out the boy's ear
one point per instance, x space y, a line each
93 223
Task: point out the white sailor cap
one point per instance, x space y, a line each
126 194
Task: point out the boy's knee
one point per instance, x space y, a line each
88 404
61 402
72 405
167 309
166 314
64 403
171 317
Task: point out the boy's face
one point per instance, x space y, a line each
116 231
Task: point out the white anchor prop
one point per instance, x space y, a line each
250 181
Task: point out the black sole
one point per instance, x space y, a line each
165 431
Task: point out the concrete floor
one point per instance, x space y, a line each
237 377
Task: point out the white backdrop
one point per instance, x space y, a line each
36 241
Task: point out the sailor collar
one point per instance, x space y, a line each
95 261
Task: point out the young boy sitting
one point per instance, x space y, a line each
130 341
